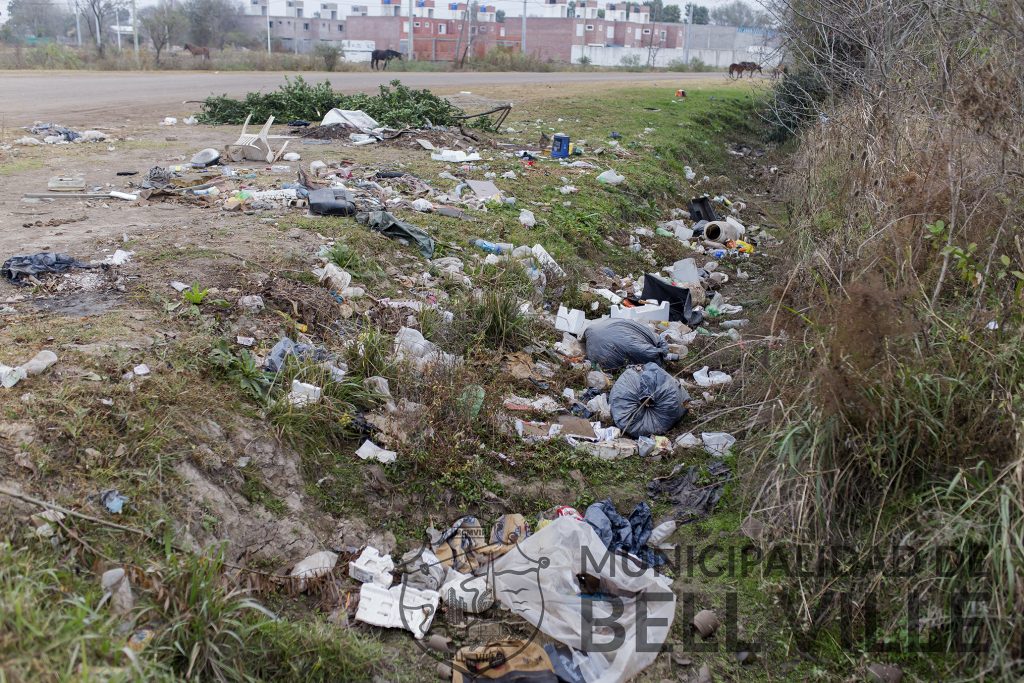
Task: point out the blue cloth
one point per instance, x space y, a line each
619 533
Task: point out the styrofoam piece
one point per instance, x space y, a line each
573 321
371 451
400 606
454 156
372 567
303 394
616 449
609 295
471 593
658 311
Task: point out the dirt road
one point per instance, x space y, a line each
102 98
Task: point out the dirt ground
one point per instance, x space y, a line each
84 98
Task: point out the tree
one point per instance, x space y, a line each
739 13
97 15
570 10
163 23
33 18
701 15
671 14
210 21
499 16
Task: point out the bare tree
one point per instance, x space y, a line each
97 14
163 23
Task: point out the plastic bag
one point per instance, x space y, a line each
617 342
647 402
539 583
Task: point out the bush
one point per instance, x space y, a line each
396 105
329 54
509 59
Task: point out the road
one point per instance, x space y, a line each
83 98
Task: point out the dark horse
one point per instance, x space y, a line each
378 56
197 51
736 70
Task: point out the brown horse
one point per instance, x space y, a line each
751 67
779 71
736 70
197 51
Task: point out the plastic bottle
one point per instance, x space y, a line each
489 247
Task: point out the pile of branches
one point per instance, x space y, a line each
395 106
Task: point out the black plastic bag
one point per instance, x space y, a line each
331 202
617 342
680 304
648 401
386 224
19 268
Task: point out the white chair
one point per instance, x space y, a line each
253 146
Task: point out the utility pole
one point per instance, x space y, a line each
458 41
469 41
410 46
686 35
135 38
522 46
78 24
266 8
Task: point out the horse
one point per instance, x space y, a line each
751 67
378 56
780 70
736 70
197 51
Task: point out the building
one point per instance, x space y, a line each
604 34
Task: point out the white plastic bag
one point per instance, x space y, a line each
538 583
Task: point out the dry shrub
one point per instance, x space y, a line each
907 195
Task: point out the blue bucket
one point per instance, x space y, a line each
560 146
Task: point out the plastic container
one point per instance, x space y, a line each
489 247
560 146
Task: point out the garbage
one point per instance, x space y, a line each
572 321
336 278
398 607
647 402
118 258
692 499
733 324
118 590
249 302
189 121
371 451
705 622
253 146
313 567
386 224
661 533
701 209
411 346
127 196
572 550
422 569
659 311
372 567
685 270
723 231
303 394
422 205
527 218
27 141
711 378
505 660
354 118
678 298
546 261
621 534
331 202
66 184
9 376
169 121
378 385
544 404
205 157
113 501
286 347
614 343
610 177
291 156
455 156
483 189
20 268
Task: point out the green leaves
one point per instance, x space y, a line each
396 105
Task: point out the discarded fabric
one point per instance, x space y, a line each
19 268
371 451
691 498
386 224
